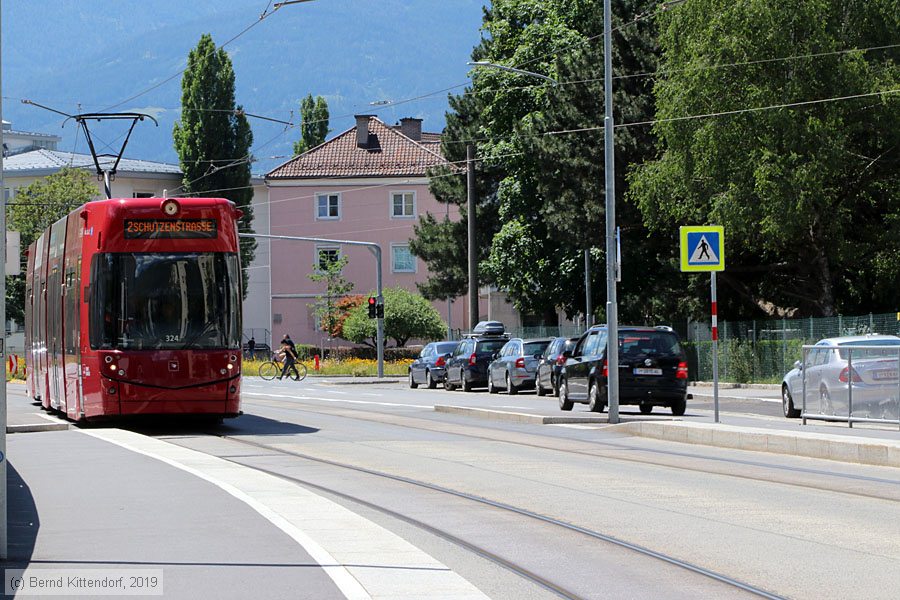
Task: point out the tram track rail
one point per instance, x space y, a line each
714 465
501 506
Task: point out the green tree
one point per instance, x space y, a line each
35 208
808 193
313 123
213 137
327 307
541 197
406 316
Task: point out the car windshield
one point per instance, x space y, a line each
165 301
490 345
860 350
532 348
446 348
634 344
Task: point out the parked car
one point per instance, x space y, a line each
467 367
653 370
551 363
514 367
430 367
831 368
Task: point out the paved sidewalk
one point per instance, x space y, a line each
101 503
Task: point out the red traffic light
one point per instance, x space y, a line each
372 300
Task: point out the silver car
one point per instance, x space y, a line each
515 365
867 364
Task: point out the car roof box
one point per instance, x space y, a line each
489 328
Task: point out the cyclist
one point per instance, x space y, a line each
289 350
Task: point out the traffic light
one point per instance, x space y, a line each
379 310
372 307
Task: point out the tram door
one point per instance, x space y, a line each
55 323
39 321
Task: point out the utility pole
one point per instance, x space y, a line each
612 317
470 214
588 305
4 525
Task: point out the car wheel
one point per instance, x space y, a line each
538 388
412 382
825 406
510 388
595 404
646 409
466 384
564 402
430 380
491 388
787 403
679 406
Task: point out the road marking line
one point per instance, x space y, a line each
297 397
364 559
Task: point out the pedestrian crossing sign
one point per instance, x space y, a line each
703 248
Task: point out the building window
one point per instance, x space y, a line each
403 205
328 206
326 255
402 260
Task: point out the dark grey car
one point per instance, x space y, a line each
515 366
430 368
550 365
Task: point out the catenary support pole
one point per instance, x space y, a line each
4 525
470 214
612 316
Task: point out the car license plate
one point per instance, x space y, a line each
642 371
879 375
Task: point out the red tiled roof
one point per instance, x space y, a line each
389 153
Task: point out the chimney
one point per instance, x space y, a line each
411 128
362 130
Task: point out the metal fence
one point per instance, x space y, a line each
853 384
763 351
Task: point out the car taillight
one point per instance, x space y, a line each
472 360
520 363
681 373
847 371
560 360
606 368
440 362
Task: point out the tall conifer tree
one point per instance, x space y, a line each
213 137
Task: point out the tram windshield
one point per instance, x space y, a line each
185 301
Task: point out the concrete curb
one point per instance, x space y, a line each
882 453
34 427
514 417
738 386
866 451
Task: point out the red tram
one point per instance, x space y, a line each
133 307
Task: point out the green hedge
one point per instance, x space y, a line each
744 361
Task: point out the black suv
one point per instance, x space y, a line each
467 366
653 370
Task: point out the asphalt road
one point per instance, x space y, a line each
796 527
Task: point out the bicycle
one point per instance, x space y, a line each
271 369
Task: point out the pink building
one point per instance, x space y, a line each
366 184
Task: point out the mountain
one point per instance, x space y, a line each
95 55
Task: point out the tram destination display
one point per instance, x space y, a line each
170 228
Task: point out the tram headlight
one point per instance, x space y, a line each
230 366
112 367
170 207
223 371
121 372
